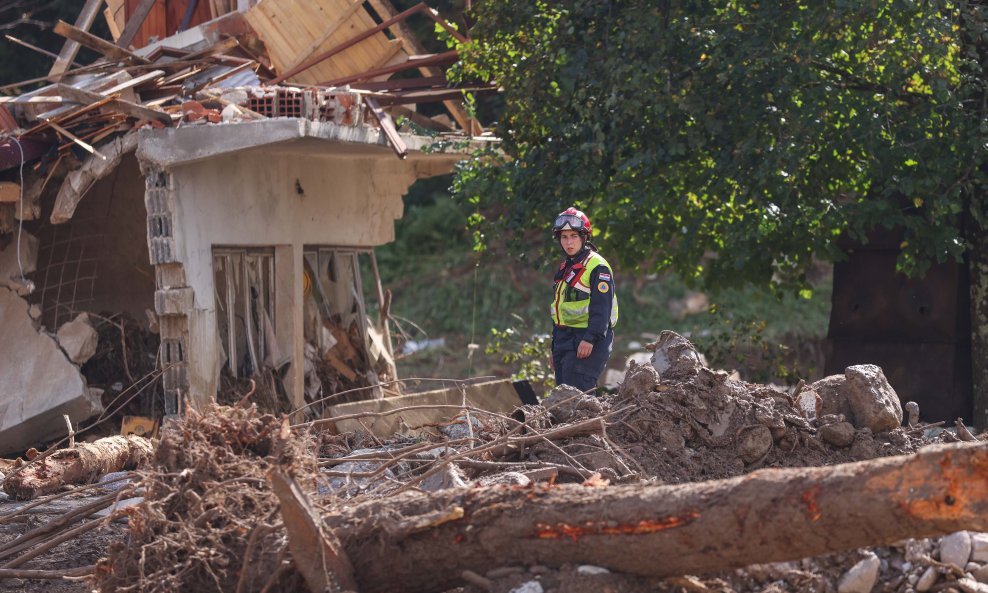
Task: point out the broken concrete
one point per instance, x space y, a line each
675 357
78 339
11 270
38 384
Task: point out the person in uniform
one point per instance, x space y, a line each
584 306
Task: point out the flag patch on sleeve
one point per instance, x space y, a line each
605 277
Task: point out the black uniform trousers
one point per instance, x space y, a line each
575 372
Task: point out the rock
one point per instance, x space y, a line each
674 357
912 408
10 268
971 586
78 339
459 429
864 446
450 477
640 378
114 481
528 587
925 582
980 574
351 485
873 402
956 548
120 504
838 434
754 443
833 397
862 576
590 569
567 404
979 547
505 479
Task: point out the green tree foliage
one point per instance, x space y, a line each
758 132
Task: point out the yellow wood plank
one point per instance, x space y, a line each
297 30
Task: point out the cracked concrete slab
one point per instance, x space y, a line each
38 384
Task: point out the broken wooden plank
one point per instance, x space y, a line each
349 43
96 44
388 127
85 146
340 366
134 23
71 48
10 192
126 107
317 553
447 57
386 9
41 51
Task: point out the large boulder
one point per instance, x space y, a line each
873 402
863 396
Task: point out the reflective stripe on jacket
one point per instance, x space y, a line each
578 290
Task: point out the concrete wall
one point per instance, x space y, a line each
282 197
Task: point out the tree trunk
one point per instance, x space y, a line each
978 271
78 465
423 542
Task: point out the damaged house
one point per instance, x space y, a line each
211 191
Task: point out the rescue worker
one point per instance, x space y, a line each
584 306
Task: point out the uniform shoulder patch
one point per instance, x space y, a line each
603 286
604 276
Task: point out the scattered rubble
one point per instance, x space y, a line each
208 500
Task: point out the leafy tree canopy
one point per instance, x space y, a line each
758 132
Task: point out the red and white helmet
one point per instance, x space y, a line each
573 220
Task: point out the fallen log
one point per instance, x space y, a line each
78 465
767 516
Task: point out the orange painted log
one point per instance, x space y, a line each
767 516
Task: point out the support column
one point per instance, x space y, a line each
289 319
172 293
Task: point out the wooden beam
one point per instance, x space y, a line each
43 52
422 120
125 107
388 127
134 23
96 44
71 48
413 62
385 9
85 146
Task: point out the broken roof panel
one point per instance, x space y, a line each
294 32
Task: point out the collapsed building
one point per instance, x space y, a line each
222 188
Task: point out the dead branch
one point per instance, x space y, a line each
78 465
46 574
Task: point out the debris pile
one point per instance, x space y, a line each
211 518
208 522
